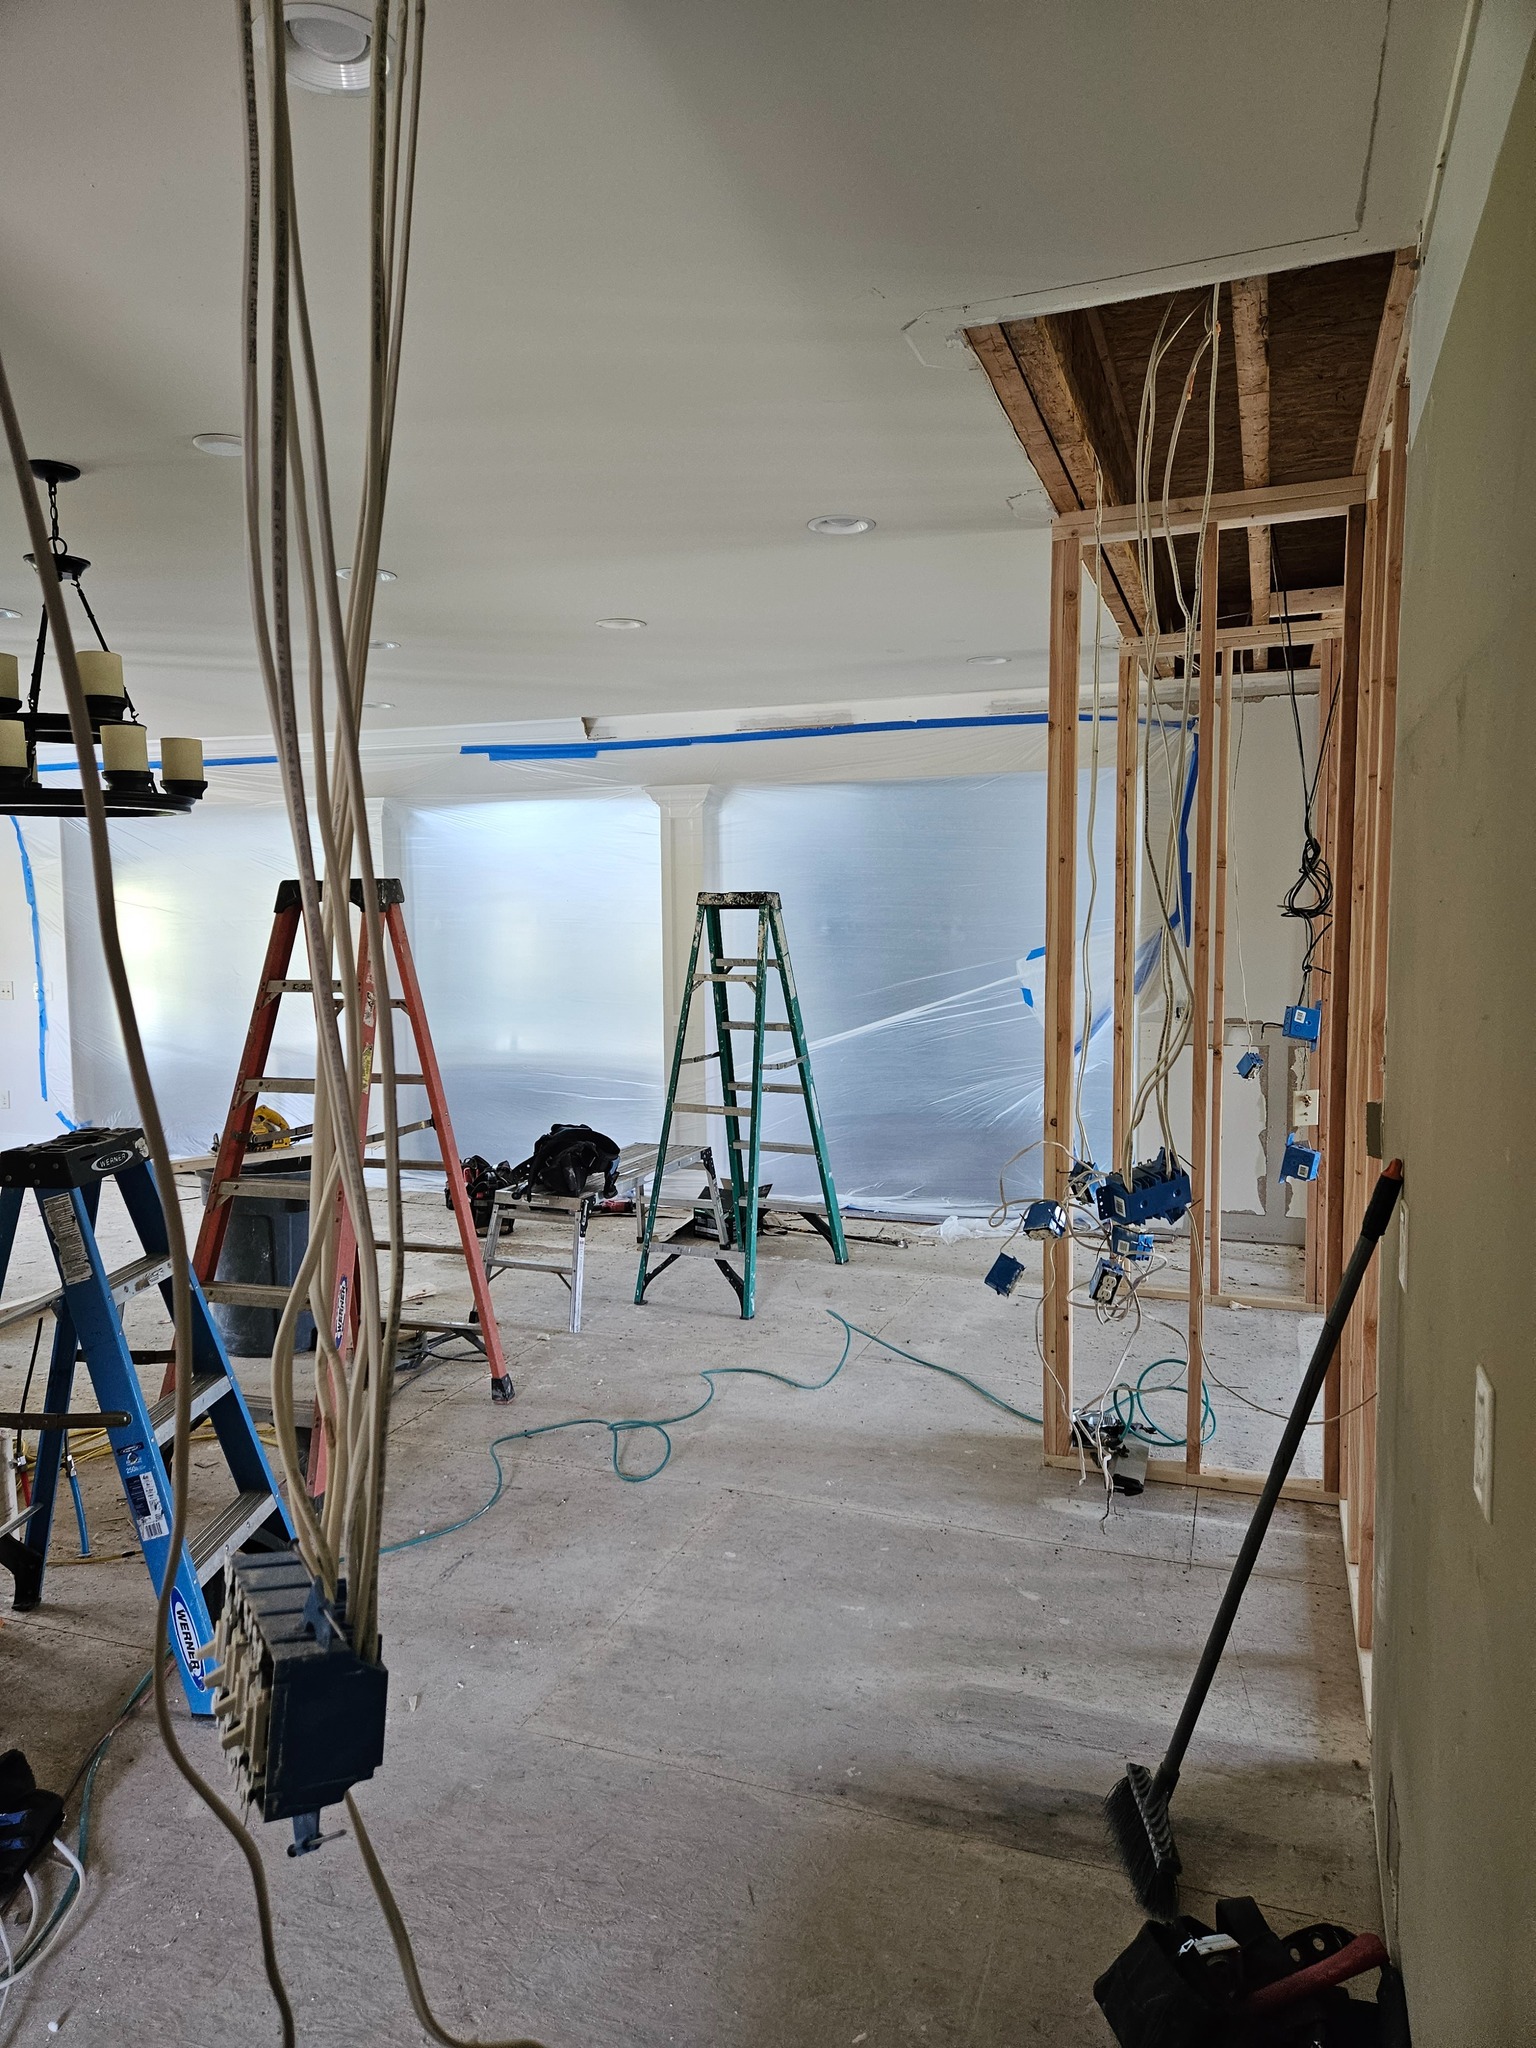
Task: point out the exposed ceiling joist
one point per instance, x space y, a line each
1250 348
1058 388
1384 364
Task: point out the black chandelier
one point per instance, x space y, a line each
131 790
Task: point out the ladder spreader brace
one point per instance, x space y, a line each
252 1081
735 1251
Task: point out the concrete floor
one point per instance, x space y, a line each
800 1745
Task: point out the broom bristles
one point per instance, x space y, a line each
1136 1813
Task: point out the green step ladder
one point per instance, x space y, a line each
741 1101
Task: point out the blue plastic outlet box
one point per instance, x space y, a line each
1005 1275
1302 1022
1301 1162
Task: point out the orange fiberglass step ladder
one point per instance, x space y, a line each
230 1182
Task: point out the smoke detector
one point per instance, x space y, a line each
327 49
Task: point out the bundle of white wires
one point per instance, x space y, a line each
292 553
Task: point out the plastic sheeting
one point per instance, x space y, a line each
915 915
536 928
194 907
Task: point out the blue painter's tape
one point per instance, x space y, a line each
30 887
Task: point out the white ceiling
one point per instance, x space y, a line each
685 275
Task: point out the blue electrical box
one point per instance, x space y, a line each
1044 1220
1109 1281
1085 1182
1005 1275
1249 1063
1301 1162
1159 1189
1303 1023
1126 1243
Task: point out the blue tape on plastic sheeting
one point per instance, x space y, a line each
30 886
588 750
225 761
1186 878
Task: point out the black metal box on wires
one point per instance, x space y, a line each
300 1713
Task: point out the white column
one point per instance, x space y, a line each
684 844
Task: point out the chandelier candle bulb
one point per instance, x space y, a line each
13 746
101 678
125 750
10 680
181 760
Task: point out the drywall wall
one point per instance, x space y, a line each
1455 1665
35 1080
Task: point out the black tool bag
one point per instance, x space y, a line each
563 1161
1185 1985
481 1180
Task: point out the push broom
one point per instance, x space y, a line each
1137 1808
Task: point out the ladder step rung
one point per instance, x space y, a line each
247 1293
769 1145
670 1247
710 1109
304 1084
207 1387
296 987
440 1323
722 961
447 1245
231 1527
783 1088
746 1024
501 1265
139 1274
739 980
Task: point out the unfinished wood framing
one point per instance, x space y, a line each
1060 979
1219 971
1200 1002
1127 847
1358 750
1250 349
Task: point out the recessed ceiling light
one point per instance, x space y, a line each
988 660
384 646
621 625
218 444
326 49
377 704
385 576
7 613
840 522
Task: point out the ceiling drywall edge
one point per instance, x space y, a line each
1481 99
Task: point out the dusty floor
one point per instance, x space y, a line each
800 1744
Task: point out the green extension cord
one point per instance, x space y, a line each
633 1425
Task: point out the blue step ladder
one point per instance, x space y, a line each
66 1175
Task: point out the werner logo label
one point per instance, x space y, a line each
340 1328
186 1636
113 1162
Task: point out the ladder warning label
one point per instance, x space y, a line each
146 1506
64 1228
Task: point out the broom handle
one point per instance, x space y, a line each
1378 1214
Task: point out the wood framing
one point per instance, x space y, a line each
1276 505
1346 736
1127 856
1060 978
1387 361
1039 383
1219 971
1250 349
1200 1002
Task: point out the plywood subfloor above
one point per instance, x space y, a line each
1304 359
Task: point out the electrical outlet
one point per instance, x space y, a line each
1306 1108
1482 1444
5 1098
7 991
